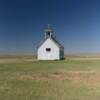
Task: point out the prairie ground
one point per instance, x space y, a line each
25 78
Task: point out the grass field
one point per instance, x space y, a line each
71 79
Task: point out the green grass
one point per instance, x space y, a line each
13 87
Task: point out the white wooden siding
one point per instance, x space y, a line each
54 54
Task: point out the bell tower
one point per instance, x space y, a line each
48 32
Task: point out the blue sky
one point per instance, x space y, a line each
76 24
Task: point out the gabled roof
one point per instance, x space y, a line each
53 39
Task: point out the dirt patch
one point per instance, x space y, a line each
74 76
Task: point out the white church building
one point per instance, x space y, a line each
50 48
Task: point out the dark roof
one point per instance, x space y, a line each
53 39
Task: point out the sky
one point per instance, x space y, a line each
76 24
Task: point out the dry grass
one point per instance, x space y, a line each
89 77
15 60
6 59
11 60
49 80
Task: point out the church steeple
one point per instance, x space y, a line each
48 31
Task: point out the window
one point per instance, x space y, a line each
48 34
48 49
